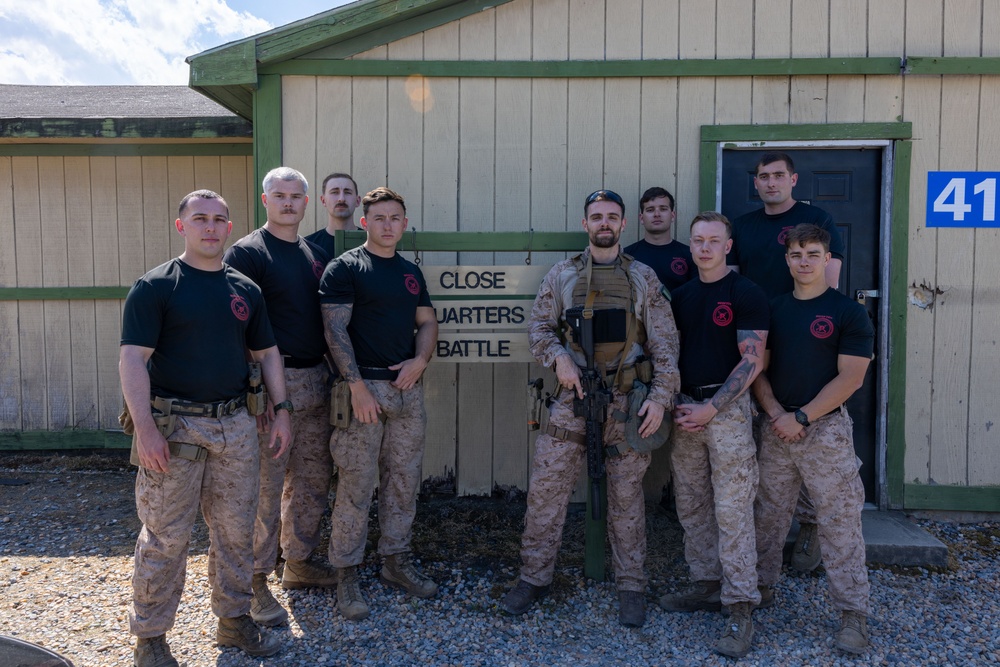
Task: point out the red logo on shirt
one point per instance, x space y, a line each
723 315
783 235
318 268
412 284
822 326
240 308
679 266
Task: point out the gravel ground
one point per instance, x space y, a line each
66 540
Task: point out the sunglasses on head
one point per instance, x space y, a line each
604 195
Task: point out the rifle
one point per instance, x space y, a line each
593 407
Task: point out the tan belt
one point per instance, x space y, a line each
185 450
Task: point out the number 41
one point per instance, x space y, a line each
958 208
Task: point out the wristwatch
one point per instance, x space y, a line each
284 405
800 417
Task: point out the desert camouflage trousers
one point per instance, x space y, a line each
295 488
715 481
825 461
805 511
225 485
555 468
389 454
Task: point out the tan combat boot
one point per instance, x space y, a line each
806 555
264 609
350 603
703 596
632 608
310 573
153 652
400 572
735 641
520 598
244 634
853 633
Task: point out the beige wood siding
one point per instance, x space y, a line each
86 222
509 154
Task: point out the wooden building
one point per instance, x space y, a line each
90 178
501 115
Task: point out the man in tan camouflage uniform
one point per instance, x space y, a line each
810 435
722 318
185 327
559 452
372 302
294 488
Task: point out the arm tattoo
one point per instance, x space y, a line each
336 317
735 384
750 342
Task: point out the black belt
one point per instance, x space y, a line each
298 362
217 409
701 393
369 373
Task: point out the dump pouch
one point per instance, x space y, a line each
166 424
633 440
257 393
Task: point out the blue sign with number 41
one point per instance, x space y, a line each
962 198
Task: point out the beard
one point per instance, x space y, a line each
604 239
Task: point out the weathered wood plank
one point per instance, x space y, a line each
696 39
334 105
810 39
10 351
131 232
180 181
155 210
300 128
236 182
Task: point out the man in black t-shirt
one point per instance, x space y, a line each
670 258
185 329
809 438
759 254
722 318
294 488
339 196
372 301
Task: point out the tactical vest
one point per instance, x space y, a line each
606 287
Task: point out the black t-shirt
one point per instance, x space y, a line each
708 315
385 293
198 323
288 274
324 240
759 244
672 262
806 338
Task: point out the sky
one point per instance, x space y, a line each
119 42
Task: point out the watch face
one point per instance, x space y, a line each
801 418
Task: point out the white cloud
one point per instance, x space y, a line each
113 41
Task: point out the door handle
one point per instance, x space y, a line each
862 295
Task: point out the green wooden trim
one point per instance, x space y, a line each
957 498
831 131
232 64
708 168
475 241
568 69
61 293
267 139
951 65
20 441
124 150
898 267
125 128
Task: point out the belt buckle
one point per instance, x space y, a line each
229 407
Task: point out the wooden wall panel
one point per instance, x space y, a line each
334 115
984 464
696 29
733 95
10 352
848 38
236 173
156 211
300 128
82 318
660 29
368 129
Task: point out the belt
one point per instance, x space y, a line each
369 373
701 393
191 409
576 438
298 362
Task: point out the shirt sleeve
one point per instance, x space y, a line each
241 259
858 337
337 283
543 325
259 335
753 313
662 343
142 318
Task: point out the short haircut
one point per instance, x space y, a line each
768 158
805 233
379 195
284 174
713 216
338 174
655 193
200 194
603 195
